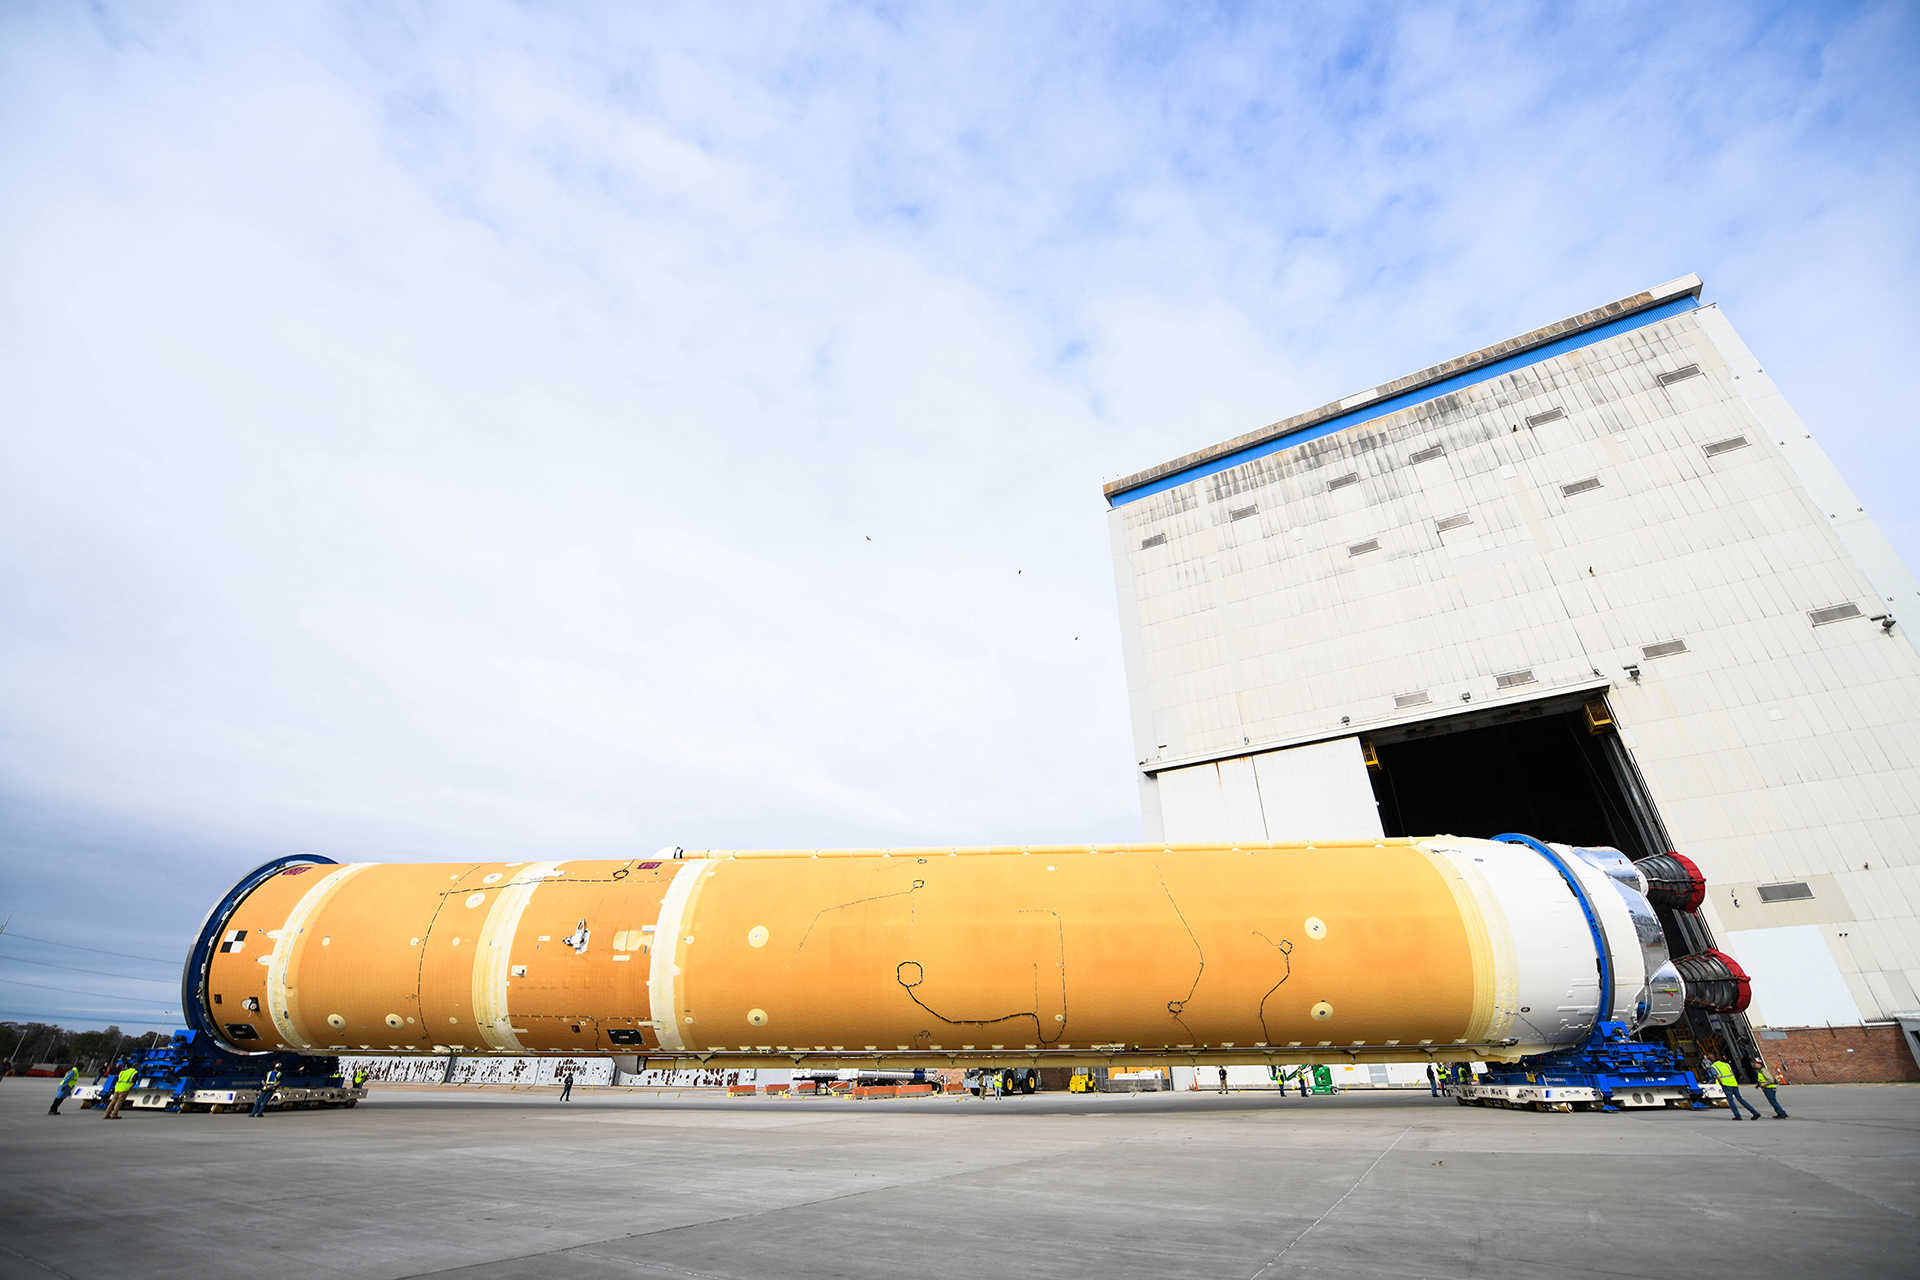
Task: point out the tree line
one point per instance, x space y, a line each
23 1044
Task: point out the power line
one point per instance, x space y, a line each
88 1015
78 992
101 973
124 955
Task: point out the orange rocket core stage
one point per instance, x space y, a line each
1266 951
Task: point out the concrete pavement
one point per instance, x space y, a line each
494 1184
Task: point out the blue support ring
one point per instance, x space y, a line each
193 1003
1605 1011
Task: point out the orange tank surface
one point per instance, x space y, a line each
1256 952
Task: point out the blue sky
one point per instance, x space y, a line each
456 431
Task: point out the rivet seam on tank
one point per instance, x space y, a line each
493 957
284 947
1316 928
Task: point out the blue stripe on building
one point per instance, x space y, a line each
1420 395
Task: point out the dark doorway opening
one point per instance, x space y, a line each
1540 772
1555 770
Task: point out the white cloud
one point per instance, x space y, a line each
460 432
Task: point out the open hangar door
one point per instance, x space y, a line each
1555 769
1537 767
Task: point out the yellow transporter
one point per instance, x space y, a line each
1443 948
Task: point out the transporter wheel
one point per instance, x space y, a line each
353 1102
1028 1084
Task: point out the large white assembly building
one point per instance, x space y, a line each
1598 584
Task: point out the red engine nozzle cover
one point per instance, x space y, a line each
1715 982
1673 882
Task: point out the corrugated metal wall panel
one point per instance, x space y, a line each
1248 635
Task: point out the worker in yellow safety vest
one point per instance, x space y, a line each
67 1082
122 1086
1768 1083
267 1087
1730 1085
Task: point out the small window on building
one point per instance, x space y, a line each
1513 679
1361 548
1402 701
1580 486
1786 891
1665 649
1241 513
1460 521
1542 419
1343 481
1428 455
1157 540
1719 447
1836 613
1680 375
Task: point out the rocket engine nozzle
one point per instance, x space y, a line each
1715 982
1673 882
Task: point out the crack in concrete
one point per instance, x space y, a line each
739 1217
1275 1259
1809 1173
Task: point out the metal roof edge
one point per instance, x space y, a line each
1686 286
1377 724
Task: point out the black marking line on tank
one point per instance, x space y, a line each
1530 1025
919 975
426 937
1285 948
878 897
1177 1007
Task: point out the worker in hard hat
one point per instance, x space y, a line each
1730 1085
67 1082
267 1088
1769 1081
359 1077
122 1086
